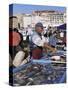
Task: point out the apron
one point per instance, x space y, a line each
35 51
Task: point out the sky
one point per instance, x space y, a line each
25 8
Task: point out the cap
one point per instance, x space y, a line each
39 25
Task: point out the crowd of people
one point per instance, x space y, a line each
20 50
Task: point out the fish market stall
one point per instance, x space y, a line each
47 70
